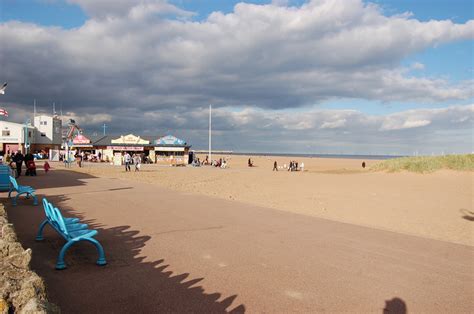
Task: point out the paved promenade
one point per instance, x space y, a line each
171 252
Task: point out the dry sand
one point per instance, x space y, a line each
437 205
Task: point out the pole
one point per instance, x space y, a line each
26 137
104 126
210 133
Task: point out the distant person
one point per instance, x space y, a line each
1 158
363 164
250 163
18 159
302 166
290 166
137 160
31 168
79 160
28 157
275 166
46 167
100 156
128 159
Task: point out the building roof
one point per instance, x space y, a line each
106 140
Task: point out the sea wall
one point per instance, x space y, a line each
21 290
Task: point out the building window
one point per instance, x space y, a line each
29 133
43 122
6 133
43 134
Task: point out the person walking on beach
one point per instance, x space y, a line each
137 160
127 159
275 166
18 159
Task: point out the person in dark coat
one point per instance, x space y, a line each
18 159
28 158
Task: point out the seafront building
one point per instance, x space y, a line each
158 149
47 135
43 135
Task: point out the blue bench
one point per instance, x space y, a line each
5 173
71 230
21 189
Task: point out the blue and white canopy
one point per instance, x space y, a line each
170 140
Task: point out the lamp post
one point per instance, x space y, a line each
27 145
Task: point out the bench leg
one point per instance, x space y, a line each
35 199
14 200
10 192
39 236
101 261
60 264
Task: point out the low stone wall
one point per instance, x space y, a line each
21 290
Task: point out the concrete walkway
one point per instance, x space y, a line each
170 252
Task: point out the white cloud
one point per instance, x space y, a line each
131 60
333 124
132 8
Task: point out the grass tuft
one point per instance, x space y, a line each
427 164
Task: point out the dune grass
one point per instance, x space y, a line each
427 164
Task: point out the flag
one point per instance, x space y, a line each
3 112
2 89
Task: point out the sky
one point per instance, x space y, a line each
385 77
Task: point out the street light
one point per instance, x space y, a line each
27 146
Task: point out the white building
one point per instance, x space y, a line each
43 135
48 131
13 136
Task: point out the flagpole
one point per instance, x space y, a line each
210 133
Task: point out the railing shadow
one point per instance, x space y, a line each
128 283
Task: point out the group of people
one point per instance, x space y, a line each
134 159
16 160
220 163
293 166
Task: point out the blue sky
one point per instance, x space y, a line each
60 13
170 68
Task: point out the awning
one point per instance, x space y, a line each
169 149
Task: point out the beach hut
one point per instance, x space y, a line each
171 150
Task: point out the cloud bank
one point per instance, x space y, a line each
138 60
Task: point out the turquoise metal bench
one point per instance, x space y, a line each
71 230
21 189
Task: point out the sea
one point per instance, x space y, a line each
343 156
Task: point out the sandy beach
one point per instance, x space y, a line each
437 205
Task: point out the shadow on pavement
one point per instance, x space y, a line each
127 284
54 179
395 306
